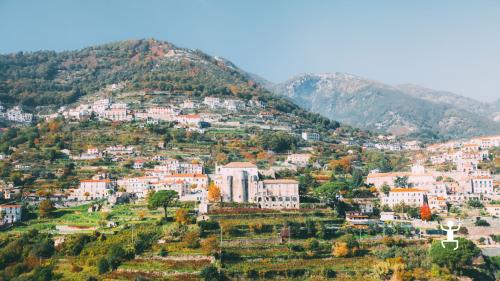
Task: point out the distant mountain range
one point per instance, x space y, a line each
402 110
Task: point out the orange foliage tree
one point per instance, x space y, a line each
425 212
214 193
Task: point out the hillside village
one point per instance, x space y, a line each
445 177
189 170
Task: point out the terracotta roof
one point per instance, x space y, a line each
396 174
281 181
407 190
11 206
105 180
240 165
482 178
192 116
187 176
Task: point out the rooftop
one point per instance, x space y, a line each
240 165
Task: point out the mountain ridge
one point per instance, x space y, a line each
402 110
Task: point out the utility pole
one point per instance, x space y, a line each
220 250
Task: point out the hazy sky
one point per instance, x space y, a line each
446 45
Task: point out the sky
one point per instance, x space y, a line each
450 45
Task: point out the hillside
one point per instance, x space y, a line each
402 110
47 79
50 78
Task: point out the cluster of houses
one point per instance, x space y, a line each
15 114
107 110
94 153
464 182
238 182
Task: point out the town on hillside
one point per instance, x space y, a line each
232 182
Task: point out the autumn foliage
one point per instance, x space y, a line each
425 213
214 193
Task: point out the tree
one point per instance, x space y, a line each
345 246
192 239
474 203
214 193
402 182
425 213
386 189
210 245
162 199
181 216
329 193
102 266
481 222
455 260
45 208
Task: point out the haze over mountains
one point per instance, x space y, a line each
401 110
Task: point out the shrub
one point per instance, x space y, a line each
474 203
210 273
296 247
346 246
192 239
210 245
163 252
207 227
252 274
328 273
261 228
312 245
181 216
102 266
481 222
76 268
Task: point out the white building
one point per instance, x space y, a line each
138 185
93 189
188 119
174 166
277 194
481 185
138 164
238 181
234 105
493 209
417 177
309 136
17 115
11 213
116 114
212 102
409 196
198 181
300 160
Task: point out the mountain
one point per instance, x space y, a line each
46 80
401 110
50 78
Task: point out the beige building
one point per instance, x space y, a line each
493 209
417 177
409 196
277 194
93 189
300 160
